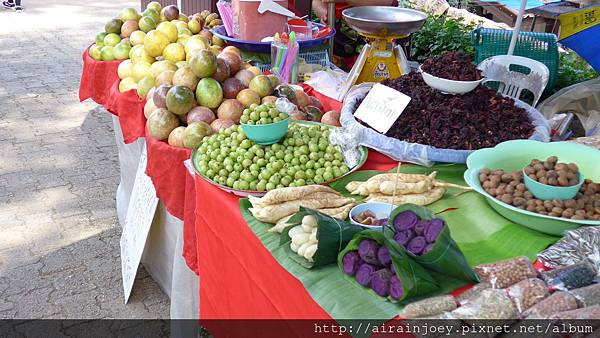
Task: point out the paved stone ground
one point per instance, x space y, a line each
59 234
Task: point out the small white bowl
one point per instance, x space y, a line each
449 86
380 209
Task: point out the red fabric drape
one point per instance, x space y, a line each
96 79
168 173
130 110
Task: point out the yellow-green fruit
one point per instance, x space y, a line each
182 39
161 66
194 26
146 24
155 5
174 52
164 78
217 41
96 53
138 54
155 42
111 39
137 38
196 42
169 29
184 31
107 53
183 18
181 64
144 86
179 24
125 69
126 84
141 70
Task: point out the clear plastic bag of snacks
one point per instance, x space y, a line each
429 307
570 277
588 295
490 304
557 302
592 312
505 273
527 293
466 296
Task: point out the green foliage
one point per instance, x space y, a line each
440 34
572 69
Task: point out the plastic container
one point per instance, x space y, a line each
266 134
304 31
381 210
249 24
549 192
449 86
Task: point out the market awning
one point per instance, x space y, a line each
580 31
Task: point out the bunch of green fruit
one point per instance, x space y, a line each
262 114
303 157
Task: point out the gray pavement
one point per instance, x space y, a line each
59 234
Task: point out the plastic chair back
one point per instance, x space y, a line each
515 74
542 47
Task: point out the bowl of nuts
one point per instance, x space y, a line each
550 180
500 175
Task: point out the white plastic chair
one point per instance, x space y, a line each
512 83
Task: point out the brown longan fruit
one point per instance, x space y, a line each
552 181
529 170
519 201
483 177
507 198
568 213
543 180
563 181
573 167
552 159
528 195
561 167
548 165
538 166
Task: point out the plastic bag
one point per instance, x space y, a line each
592 312
419 153
328 82
577 245
490 304
588 295
473 292
557 302
582 99
360 262
505 273
570 277
332 235
527 293
439 252
429 307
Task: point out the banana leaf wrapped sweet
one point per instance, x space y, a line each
351 262
384 267
426 238
315 239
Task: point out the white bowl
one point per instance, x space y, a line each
448 86
380 209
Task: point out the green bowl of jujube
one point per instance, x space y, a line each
264 124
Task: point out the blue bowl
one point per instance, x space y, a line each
266 134
265 47
549 192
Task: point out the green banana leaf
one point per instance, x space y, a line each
416 281
445 257
482 235
332 234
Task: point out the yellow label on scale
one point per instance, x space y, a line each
380 64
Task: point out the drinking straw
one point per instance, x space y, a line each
290 57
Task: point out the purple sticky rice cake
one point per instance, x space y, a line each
350 263
405 220
433 230
416 245
367 250
404 237
364 274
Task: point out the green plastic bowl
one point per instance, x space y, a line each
266 134
549 192
515 155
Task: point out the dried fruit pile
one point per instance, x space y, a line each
452 66
479 119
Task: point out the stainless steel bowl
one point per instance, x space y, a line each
384 21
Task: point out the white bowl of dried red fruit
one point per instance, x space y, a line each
451 73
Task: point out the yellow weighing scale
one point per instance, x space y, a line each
381 58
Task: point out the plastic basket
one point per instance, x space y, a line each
314 57
542 47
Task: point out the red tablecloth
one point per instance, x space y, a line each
169 174
239 277
130 110
96 79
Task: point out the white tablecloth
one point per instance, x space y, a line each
162 256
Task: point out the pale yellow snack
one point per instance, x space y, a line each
280 195
320 200
418 199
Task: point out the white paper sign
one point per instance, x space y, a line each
140 214
382 107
